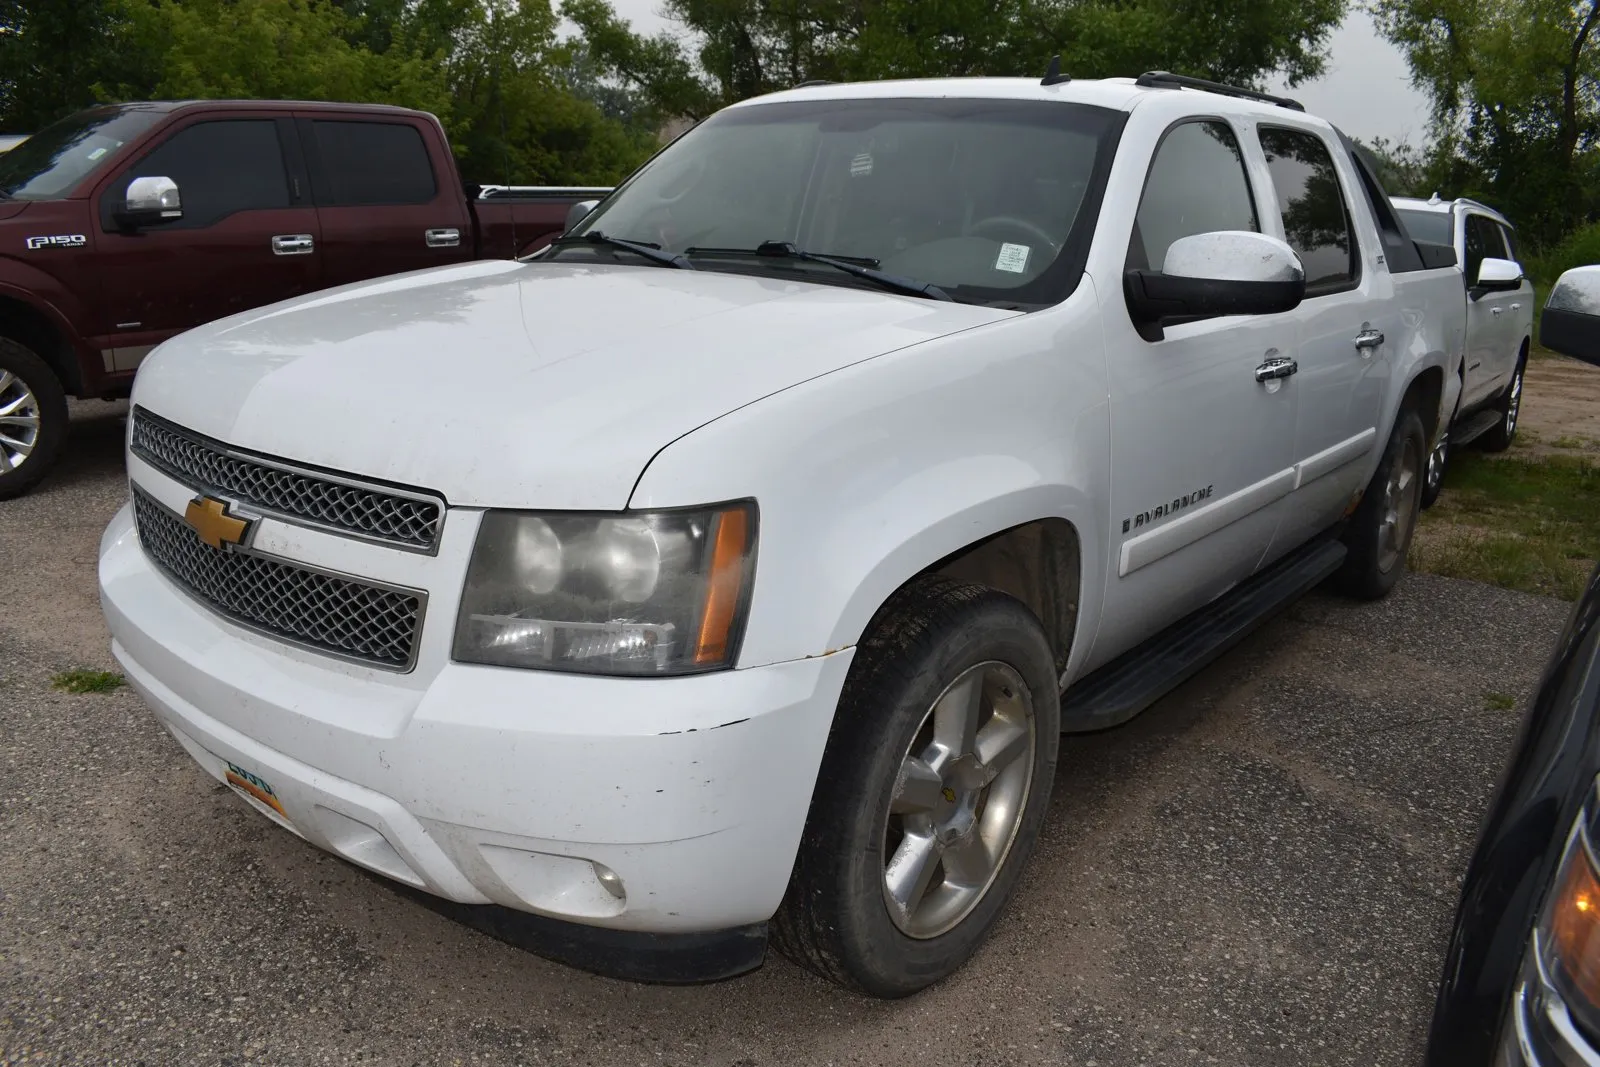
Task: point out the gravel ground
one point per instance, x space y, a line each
1260 870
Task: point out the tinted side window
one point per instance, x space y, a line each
367 163
1483 239
221 168
1197 184
1316 222
1510 237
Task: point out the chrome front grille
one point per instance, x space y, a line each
407 518
369 623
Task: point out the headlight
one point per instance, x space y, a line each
643 593
1569 930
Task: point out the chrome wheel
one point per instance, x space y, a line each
958 800
1400 498
1514 404
19 422
1436 463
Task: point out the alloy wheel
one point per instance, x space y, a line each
19 422
1400 500
958 800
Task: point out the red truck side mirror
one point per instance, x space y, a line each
151 201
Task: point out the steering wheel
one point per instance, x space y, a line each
684 182
1017 226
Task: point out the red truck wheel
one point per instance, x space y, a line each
33 419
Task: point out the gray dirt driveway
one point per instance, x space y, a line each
1261 870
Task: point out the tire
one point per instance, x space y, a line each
1379 533
33 419
936 641
1510 407
1438 464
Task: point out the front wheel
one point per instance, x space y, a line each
1510 406
935 781
33 419
1438 463
1379 533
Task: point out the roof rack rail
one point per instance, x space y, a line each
812 82
1160 79
1052 73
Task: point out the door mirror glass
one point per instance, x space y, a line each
1498 275
1226 272
152 200
580 211
1570 323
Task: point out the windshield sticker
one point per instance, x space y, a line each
1012 258
861 166
98 152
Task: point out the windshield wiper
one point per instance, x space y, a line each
786 250
652 252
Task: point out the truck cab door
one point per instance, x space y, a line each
1200 445
1491 356
247 236
1348 322
386 204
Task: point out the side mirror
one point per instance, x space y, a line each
1227 272
580 211
1570 322
1498 275
150 201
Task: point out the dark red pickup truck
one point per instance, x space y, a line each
124 225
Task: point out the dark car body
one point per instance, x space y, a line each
1501 1001
280 198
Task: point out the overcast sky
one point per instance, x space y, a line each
1367 91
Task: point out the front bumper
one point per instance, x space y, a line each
661 806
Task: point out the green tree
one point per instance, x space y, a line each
1512 84
53 54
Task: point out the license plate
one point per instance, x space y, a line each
254 787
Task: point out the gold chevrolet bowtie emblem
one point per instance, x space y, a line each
212 522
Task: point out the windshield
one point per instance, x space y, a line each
984 199
50 163
1432 226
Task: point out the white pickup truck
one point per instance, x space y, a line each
1486 396
735 565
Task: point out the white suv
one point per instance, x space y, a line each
744 556
1499 324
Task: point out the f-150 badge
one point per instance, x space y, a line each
65 240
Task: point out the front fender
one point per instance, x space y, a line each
867 476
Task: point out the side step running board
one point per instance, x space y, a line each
1473 427
1127 685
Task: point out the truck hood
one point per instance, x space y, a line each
533 385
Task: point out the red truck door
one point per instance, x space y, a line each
387 203
247 237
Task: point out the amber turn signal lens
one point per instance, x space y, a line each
729 549
1575 924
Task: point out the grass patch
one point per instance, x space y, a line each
87 681
1517 522
1571 441
1499 701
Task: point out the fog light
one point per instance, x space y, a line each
609 879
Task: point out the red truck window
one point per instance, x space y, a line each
220 167
368 163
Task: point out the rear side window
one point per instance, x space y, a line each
1430 226
367 163
1316 220
221 168
1197 184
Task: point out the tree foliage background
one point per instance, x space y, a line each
535 92
565 91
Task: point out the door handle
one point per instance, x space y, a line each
1515 307
445 238
293 244
1369 338
1497 311
1276 368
